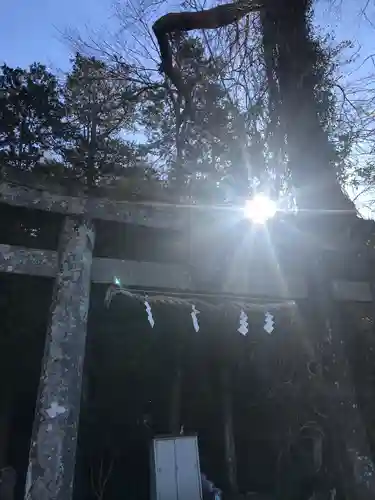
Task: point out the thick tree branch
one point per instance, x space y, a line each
214 18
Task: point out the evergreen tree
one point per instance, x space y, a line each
31 113
100 109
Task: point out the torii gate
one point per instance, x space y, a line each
55 431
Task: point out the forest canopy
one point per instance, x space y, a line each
114 118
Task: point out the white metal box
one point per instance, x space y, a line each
175 470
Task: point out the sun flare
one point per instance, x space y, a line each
260 209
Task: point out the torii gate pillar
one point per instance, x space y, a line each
50 473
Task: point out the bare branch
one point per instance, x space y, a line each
216 17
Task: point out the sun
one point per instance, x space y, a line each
260 209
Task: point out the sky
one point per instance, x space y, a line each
32 31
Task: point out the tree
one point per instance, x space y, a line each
237 84
288 28
200 143
301 92
31 116
214 18
100 108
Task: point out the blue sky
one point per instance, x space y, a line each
30 31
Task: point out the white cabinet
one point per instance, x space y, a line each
175 472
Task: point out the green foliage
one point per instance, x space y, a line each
31 113
71 131
209 147
98 109
198 142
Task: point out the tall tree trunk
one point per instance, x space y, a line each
286 29
287 36
351 466
275 132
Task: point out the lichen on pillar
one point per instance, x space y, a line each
54 437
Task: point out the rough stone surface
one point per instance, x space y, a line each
36 262
29 261
54 438
145 214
